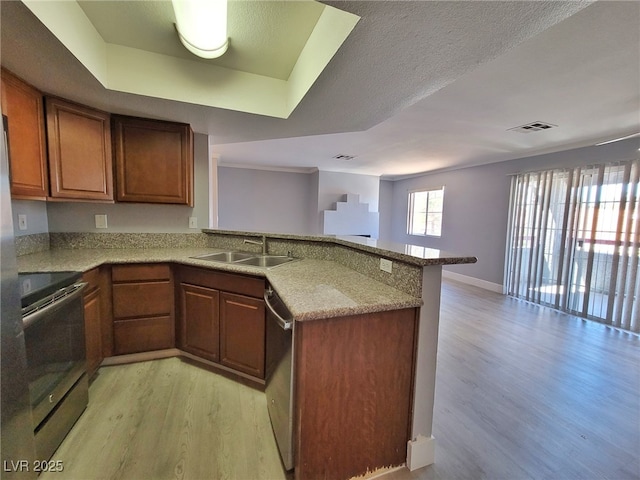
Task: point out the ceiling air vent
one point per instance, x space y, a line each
533 127
343 157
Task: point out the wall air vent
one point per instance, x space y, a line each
532 127
343 157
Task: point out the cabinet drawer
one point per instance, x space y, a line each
144 334
142 299
227 282
133 273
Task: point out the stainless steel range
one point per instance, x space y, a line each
53 321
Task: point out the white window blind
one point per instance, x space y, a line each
574 238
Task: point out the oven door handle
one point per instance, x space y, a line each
36 312
283 323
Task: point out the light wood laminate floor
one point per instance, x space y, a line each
169 419
522 392
525 392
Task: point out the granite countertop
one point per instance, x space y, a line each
312 289
412 254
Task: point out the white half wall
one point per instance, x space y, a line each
350 217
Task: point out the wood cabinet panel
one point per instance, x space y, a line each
97 316
23 106
354 383
79 140
93 330
213 315
142 335
137 272
242 333
142 299
154 161
200 321
223 281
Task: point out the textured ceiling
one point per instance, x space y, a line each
417 86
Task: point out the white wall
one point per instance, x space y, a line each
139 217
286 202
262 200
476 205
36 212
385 204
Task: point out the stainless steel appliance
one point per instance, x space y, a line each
17 442
279 374
53 319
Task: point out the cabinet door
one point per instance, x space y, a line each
22 104
200 321
154 161
93 330
79 151
242 333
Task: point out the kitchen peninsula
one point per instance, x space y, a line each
365 339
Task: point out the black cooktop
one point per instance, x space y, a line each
36 286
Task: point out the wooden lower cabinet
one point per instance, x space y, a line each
242 333
143 308
97 317
93 341
200 321
353 391
222 318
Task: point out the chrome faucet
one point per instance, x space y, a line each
263 243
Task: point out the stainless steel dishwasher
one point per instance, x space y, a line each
279 374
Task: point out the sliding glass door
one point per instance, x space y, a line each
574 242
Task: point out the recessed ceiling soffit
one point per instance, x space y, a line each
277 50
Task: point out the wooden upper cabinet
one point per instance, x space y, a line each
154 161
80 161
22 104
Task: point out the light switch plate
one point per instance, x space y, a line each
193 222
386 265
101 221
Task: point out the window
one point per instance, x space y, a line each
425 212
573 241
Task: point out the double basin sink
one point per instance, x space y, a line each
242 258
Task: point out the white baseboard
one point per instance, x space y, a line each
420 452
476 282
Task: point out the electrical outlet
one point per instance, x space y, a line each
101 221
385 265
26 286
22 222
193 222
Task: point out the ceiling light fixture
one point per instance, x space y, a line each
202 26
